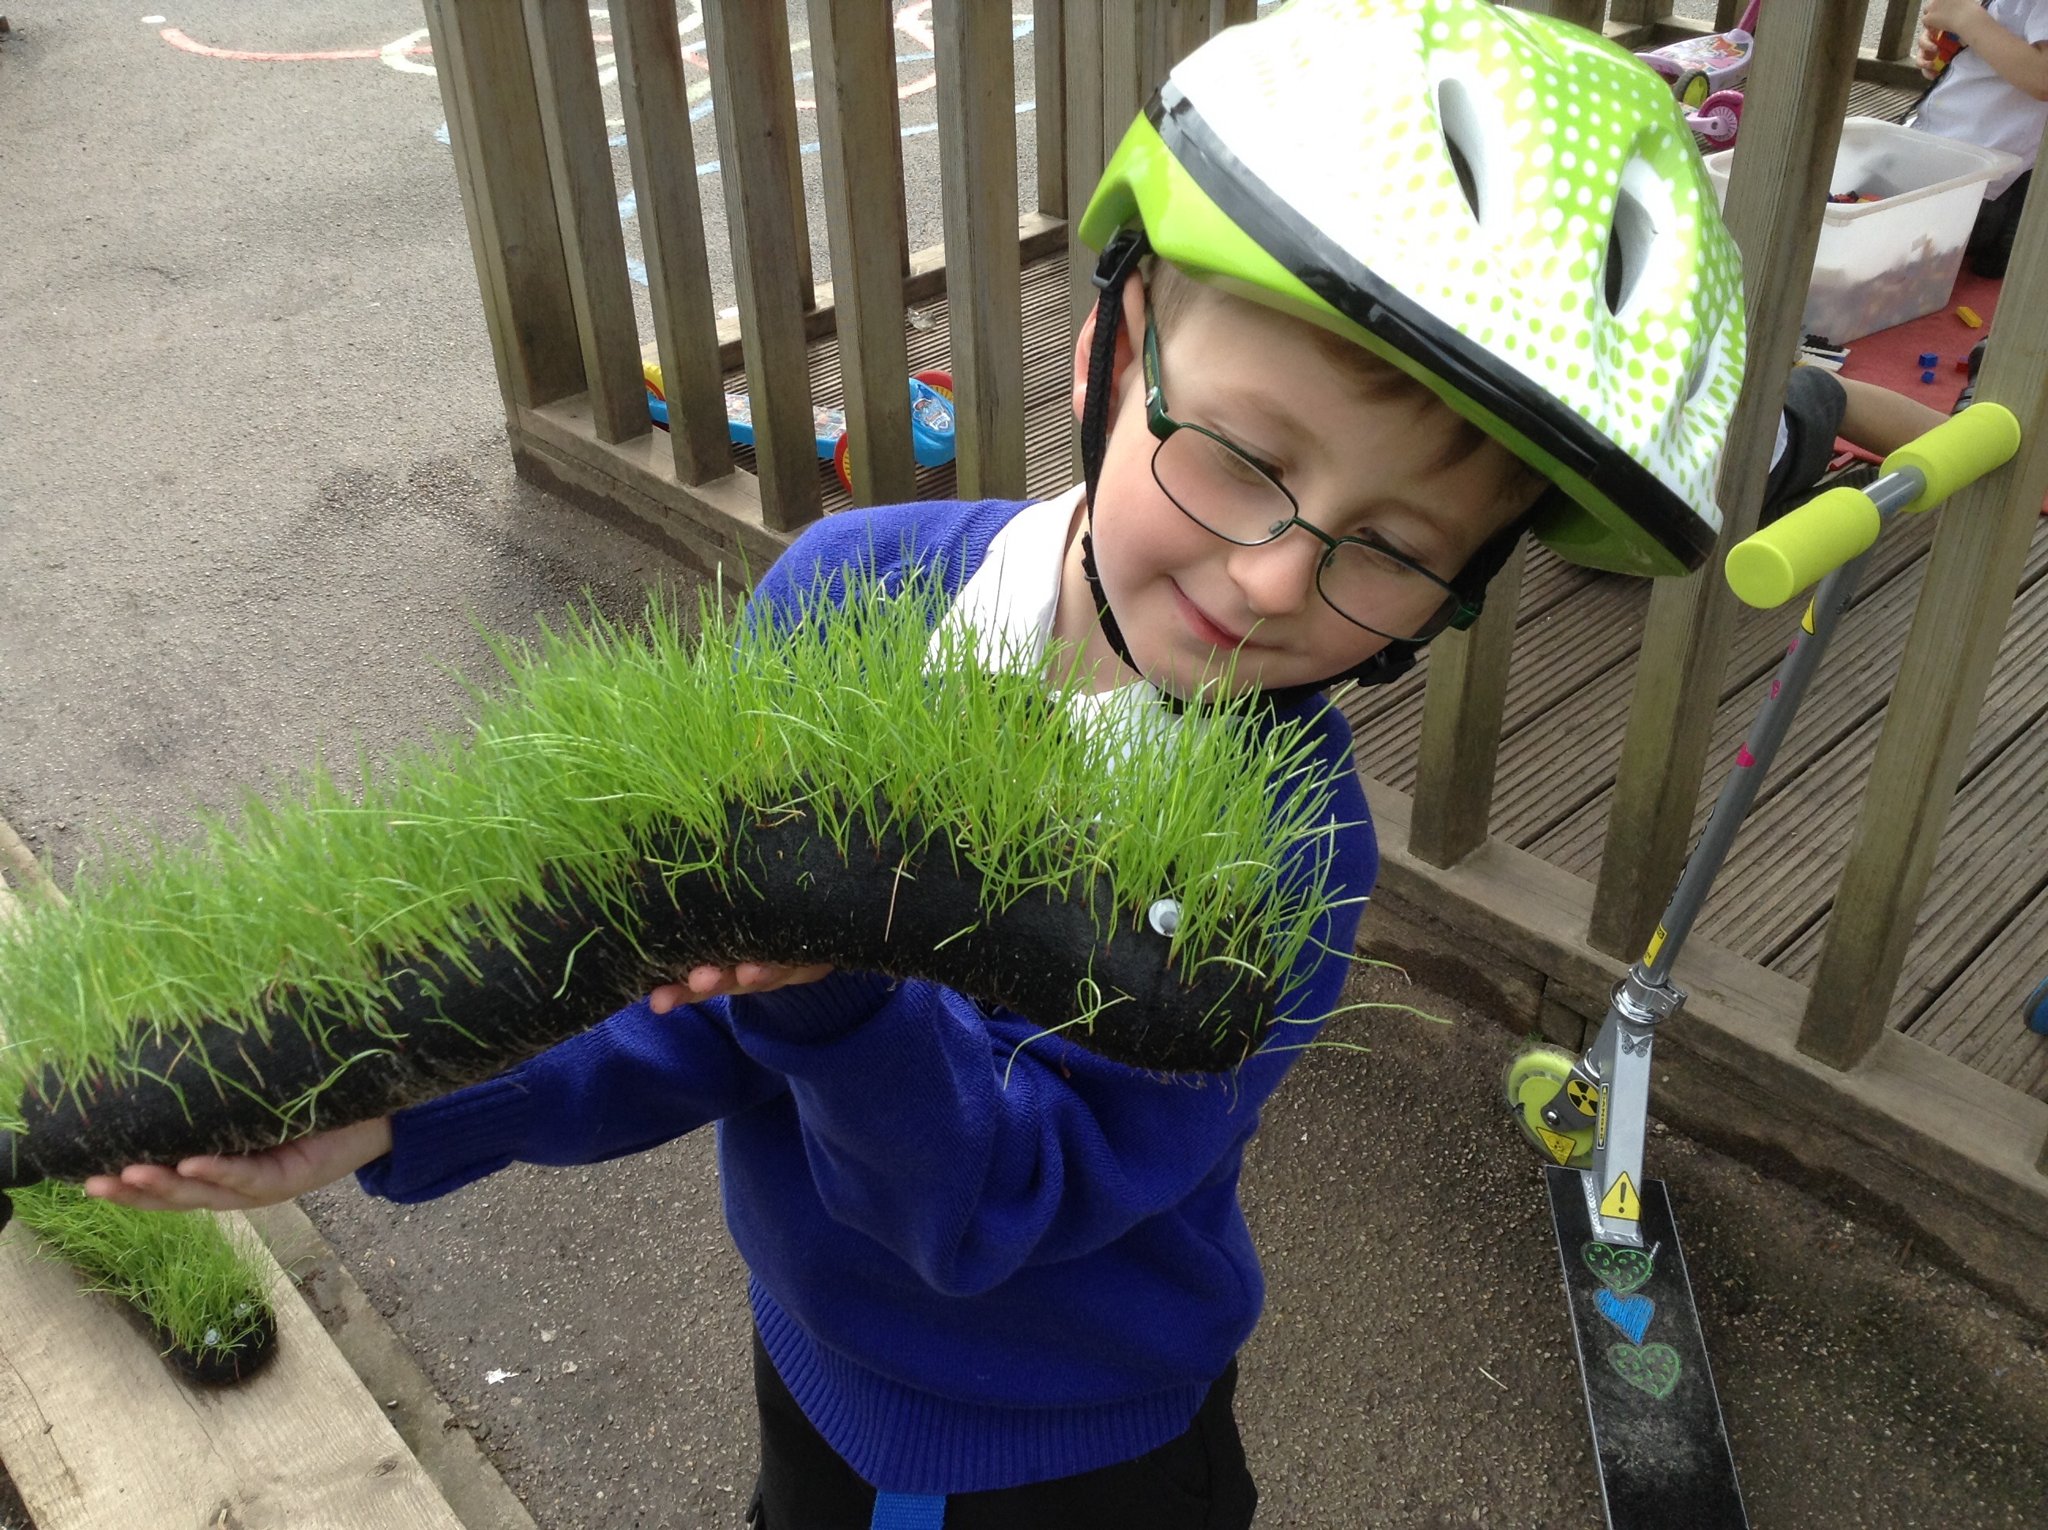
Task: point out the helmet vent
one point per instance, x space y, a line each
1458 120
1628 249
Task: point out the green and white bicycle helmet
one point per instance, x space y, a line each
1507 207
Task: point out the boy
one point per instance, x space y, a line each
1351 343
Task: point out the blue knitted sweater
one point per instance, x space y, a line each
974 1266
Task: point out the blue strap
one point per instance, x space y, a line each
908 1511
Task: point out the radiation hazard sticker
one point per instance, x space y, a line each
1585 1097
1561 1147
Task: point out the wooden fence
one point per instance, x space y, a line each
528 126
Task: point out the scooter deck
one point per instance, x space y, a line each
1657 1431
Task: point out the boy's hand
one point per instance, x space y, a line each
244 1182
710 982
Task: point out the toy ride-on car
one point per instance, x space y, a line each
931 421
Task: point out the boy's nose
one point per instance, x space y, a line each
1277 578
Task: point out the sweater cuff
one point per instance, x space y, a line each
810 1013
446 1143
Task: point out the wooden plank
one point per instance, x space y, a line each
1774 204
1584 13
1790 855
587 200
1559 809
1895 37
300 1443
1049 95
924 279
485 69
1388 712
1168 31
1986 863
1234 13
654 96
748 48
1980 545
853 58
1977 1019
1554 658
1461 726
978 204
1087 148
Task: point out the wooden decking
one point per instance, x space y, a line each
1982 943
1983 938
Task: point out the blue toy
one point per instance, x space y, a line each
931 421
2036 1008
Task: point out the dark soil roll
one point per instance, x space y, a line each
786 895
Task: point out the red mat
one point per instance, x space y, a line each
1891 357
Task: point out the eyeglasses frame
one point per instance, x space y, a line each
1456 612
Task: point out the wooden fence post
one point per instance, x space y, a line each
1461 720
1775 199
1049 92
978 202
580 163
653 94
508 198
748 47
1980 545
853 58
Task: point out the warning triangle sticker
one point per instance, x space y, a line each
1621 1201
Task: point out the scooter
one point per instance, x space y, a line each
1658 1434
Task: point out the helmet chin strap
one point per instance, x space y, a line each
1118 261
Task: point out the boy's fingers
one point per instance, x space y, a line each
667 997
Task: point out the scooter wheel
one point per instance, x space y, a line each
1531 1082
2036 1008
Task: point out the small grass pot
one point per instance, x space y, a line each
876 792
203 1295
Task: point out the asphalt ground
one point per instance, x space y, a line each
255 503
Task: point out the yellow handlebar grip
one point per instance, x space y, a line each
1958 451
1775 564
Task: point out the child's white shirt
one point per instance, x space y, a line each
1973 102
1009 603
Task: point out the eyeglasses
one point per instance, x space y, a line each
1231 494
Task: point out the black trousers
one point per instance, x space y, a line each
1990 246
1196 1482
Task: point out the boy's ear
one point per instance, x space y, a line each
1126 347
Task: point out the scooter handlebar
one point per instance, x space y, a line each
1785 557
1775 564
1958 452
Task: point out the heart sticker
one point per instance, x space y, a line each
1631 1314
1651 1368
1620 1269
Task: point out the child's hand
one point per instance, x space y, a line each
709 982
1925 59
1957 16
242 1183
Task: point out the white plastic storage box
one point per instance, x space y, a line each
1881 263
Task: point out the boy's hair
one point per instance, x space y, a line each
1171 294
